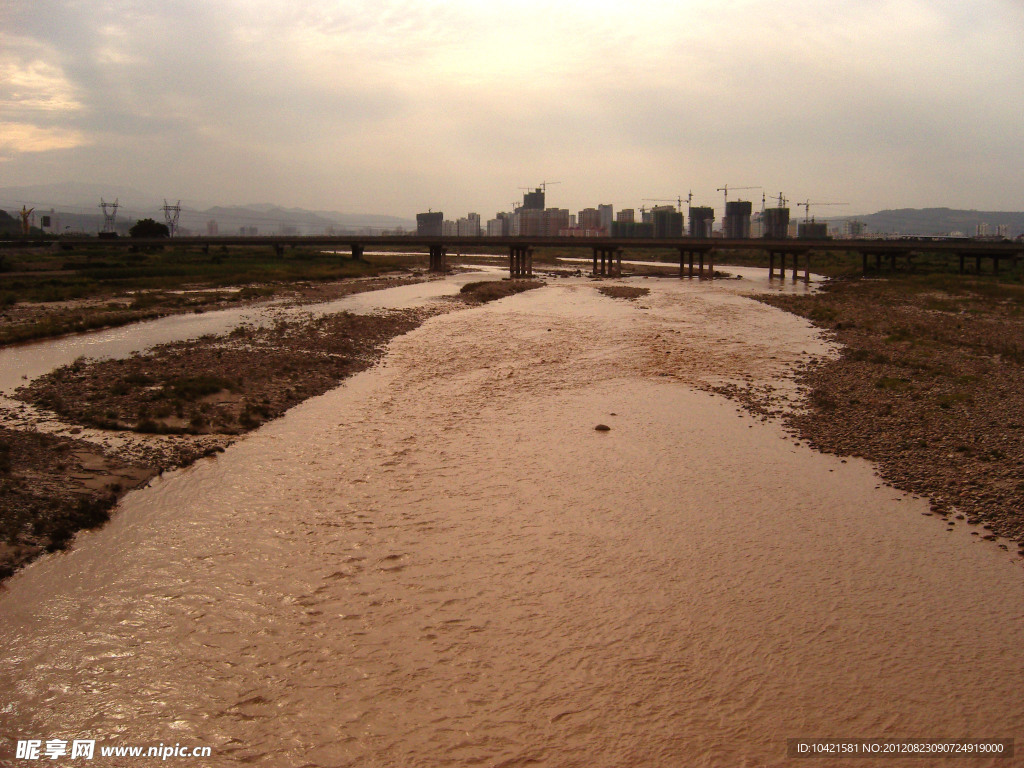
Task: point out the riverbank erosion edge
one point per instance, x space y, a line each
927 386
173 404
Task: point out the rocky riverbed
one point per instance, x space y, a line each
927 386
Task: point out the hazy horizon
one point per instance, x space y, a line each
393 108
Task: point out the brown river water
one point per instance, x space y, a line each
442 563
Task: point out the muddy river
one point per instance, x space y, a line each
443 563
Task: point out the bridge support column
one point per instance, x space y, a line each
796 265
278 250
771 264
878 262
618 262
961 262
700 269
711 264
995 265
807 267
977 265
357 252
438 258
892 262
607 258
520 261
864 263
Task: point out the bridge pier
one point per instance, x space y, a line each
357 252
685 256
610 261
520 261
438 259
278 250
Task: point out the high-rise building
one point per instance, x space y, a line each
668 222
555 220
534 201
737 219
589 218
211 228
605 213
776 223
531 222
625 216
429 224
449 228
813 230
701 220
469 226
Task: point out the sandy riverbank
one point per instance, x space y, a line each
927 386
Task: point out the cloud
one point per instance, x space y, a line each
398 105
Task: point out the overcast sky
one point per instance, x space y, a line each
381 106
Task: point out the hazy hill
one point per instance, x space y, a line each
939 221
75 208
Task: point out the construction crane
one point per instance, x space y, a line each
782 200
543 186
725 191
678 201
25 214
807 208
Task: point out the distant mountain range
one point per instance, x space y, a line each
937 221
76 208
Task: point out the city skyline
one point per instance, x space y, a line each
397 107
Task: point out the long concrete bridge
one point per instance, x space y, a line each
607 251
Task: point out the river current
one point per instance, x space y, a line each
443 563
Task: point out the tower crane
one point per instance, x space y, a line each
678 201
25 214
543 186
807 208
725 191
